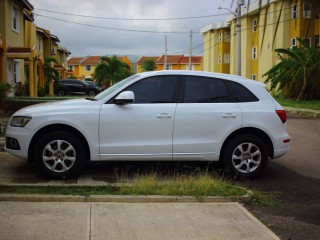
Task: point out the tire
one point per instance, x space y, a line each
92 93
59 155
60 93
246 156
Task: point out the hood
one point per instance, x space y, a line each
54 106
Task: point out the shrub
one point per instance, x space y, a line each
4 88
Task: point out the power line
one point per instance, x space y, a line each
135 19
112 28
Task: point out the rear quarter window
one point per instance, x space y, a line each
240 93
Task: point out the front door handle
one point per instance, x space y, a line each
164 115
229 115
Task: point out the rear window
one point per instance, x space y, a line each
241 93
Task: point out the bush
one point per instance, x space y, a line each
4 88
41 92
21 89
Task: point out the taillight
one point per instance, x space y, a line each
282 115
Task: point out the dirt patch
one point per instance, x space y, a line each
298 214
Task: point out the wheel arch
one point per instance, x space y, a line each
249 130
55 127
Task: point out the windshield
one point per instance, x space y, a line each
115 87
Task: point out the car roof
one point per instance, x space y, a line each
202 74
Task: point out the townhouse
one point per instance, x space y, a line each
174 62
83 67
24 47
264 28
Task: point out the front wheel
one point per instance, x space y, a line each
59 155
246 156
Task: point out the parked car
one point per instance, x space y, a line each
93 84
73 86
166 115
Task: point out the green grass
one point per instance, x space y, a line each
309 104
198 186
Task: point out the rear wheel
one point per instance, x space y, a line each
59 155
246 156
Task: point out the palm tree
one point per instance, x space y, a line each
51 74
148 65
297 74
111 69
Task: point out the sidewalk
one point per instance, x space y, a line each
122 221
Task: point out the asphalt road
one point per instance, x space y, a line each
304 154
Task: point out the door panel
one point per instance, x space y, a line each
206 115
142 130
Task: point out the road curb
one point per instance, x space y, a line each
120 198
303 112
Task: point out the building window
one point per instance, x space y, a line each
254 76
306 10
254 53
192 67
168 67
15 18
16 71
52 48
307 41
71 67
254 25
220 37
294 11
316 41
219 59
40 44
226 37
293 42
226 58
88 67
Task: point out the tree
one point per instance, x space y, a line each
297 73
50 72
111 69
148 65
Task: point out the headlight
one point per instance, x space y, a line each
19 121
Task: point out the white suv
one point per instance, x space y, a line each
166 115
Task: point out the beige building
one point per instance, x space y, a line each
24 46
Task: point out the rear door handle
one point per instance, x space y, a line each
164 115
228 115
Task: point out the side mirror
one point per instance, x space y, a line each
125 97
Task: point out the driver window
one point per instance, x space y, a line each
159 89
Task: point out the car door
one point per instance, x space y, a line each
141 130
205 115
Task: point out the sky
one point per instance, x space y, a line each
83 26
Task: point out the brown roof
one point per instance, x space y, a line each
94 60
144 58
171 59
90 60
194 60
26 4
74 61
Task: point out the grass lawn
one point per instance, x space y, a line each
309 104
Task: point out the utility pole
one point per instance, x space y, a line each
190 52
166 52
238 15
